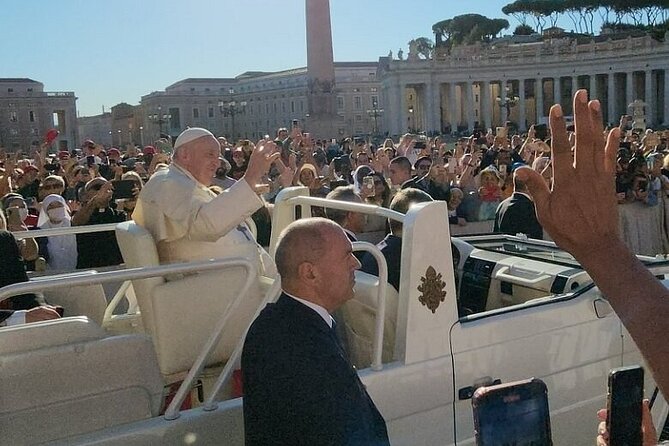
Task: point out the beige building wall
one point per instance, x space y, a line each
27 113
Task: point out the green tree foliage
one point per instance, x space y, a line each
523 30
424 46
582 13
467 28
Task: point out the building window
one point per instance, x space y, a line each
292 106
175 120
357 103
34 132
340 102
196 113
31 116
210 113
10 90
358 118
356 90
13 117
373 89
30 90
192 89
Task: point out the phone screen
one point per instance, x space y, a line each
514 413
624 406
122 189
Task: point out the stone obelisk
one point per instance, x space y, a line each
323 121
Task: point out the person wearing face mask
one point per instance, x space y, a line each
60 252
16 214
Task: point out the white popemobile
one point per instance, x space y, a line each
471 311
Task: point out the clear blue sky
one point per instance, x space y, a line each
118 50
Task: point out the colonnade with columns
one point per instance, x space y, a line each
438 104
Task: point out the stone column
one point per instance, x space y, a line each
433 122
666 97
452 107
611 98
469 103
629 88
539 98
502 94
557 97
486 103
521 105
650 99
593 87
404 112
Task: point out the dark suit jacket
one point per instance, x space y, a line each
299 387
517 214
13 270
391 248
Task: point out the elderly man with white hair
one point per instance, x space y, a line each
187 220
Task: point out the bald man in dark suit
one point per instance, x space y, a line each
299 387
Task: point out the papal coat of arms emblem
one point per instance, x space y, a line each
432 289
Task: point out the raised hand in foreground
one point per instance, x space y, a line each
580 213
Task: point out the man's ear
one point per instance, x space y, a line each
306 273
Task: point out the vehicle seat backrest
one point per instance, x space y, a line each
180 313
359 315
64 377
139 249
86 300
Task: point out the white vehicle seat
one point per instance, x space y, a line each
179 314
359 316
55 374
84 300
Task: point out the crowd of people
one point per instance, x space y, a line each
177 194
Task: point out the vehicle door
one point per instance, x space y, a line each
569 341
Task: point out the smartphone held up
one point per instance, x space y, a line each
514 413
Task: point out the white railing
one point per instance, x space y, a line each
346 206
377 349
172 411
52 232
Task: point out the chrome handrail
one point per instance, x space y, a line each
347 206
377 349
51 232
172 411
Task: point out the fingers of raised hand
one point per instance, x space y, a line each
584 155
560 147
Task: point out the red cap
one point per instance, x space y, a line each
149 150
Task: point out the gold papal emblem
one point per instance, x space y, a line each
432 289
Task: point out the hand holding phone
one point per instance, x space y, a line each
624 406
512 413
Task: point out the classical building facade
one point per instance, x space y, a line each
97 128
27 113
255 104
518 79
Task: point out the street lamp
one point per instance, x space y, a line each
141 135
232 108
410 118
119 137
374 113
160 118
508 102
